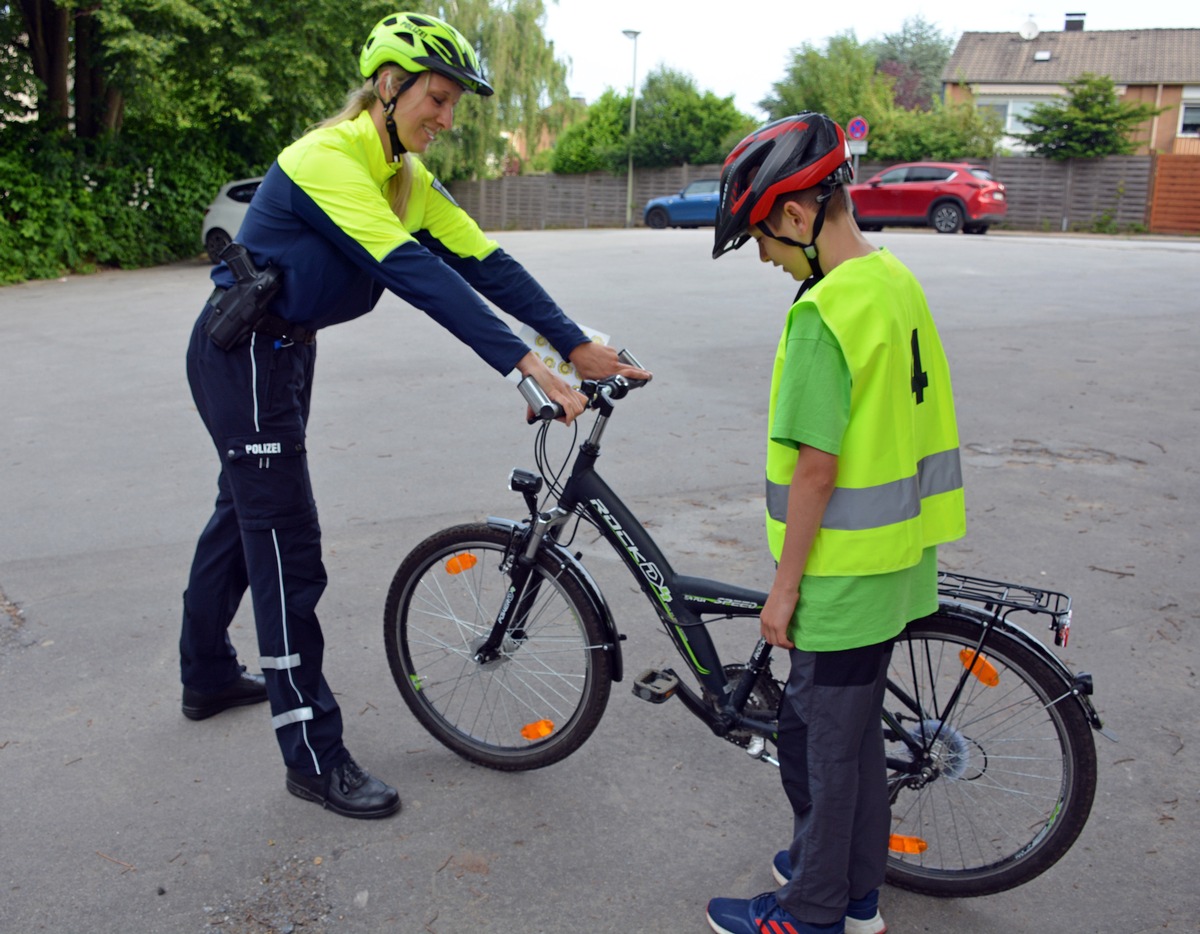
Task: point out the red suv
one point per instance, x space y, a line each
948 196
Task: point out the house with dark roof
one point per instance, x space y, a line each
1009 72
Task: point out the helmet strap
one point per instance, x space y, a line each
810 248
389 107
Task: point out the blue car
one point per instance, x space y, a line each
695 206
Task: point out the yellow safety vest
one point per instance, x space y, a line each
899 484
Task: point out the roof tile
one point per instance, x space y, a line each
1128 56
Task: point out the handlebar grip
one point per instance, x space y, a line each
543 406
629 359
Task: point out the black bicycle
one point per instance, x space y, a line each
504 648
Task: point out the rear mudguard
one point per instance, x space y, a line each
1078 685
572 567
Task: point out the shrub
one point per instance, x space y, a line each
69 205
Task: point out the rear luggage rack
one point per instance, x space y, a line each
1002 599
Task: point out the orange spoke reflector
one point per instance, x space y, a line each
539 729
984 670
911 846
460 563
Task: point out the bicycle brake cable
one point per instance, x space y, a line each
551 476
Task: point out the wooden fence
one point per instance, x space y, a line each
1175 203
597 199
1080 194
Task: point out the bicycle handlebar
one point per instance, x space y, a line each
613 387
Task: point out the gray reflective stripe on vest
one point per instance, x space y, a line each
292 716
853 510
280 663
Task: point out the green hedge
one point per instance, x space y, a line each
72 205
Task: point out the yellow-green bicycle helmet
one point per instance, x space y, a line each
417 43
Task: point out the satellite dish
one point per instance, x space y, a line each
1029 31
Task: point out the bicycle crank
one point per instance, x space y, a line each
764 698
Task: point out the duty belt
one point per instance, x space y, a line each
273 325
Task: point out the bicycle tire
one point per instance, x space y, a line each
1014 759
540 699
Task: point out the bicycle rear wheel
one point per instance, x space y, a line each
1010 767
534 704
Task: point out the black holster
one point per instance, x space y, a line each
236 311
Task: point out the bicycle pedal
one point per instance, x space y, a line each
655 686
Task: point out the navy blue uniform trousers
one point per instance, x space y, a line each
263 534
831 762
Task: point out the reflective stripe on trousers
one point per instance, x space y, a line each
857 509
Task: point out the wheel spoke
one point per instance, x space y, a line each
1000 770
531 701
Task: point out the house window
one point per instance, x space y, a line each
1017 111
1000 110
1190 124
1012 112
1189 111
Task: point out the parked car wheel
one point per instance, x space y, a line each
946 217
223 218
657 218
214 242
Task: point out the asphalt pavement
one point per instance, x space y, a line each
1076 363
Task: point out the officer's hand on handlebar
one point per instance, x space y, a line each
596 361
572 402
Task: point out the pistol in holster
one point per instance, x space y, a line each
236 311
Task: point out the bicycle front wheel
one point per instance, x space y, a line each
543 694
1007 771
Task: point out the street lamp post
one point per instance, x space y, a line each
631 34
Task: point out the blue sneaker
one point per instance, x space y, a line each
862 914
760 915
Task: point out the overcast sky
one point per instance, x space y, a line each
741 49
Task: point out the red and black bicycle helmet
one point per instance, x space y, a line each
788 155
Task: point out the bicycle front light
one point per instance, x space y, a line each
524 481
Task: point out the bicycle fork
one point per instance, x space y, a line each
524 585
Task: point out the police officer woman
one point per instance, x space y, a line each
343 214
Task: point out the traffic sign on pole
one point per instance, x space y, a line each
857 128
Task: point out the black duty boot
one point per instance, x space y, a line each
246 689
347 790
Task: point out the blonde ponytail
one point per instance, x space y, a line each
357 101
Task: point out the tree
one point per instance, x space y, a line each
914 58
839 80
17 83
519 62
598 142
258 72
1089 122
677 125
842 80
946 132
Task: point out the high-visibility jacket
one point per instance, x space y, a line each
899 483
322 217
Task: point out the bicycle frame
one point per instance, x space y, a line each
681 602
504 648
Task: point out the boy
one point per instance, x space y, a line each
863 482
